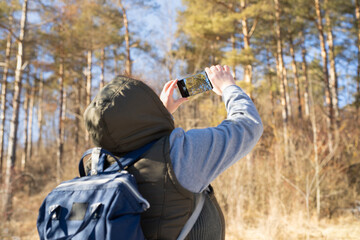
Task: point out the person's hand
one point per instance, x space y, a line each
166 96
220 78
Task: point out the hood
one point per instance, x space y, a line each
125 115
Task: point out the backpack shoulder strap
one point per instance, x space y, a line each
132 157
127 160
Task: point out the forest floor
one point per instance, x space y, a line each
341 228
344 227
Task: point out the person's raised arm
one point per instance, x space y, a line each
200 155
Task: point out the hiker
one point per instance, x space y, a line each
127 114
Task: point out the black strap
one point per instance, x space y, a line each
127 160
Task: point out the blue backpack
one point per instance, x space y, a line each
103 205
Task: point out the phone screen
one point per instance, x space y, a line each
195 84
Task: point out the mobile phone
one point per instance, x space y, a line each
195 84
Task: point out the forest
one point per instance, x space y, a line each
298 60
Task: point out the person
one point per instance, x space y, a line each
127 114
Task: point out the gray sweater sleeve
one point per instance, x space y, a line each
200 155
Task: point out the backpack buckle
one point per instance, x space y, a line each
54 211
95 155
96 210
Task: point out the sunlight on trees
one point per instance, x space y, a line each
299 60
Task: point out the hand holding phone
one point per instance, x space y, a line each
220 77
215 77
167 98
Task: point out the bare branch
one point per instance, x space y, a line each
23 175
252 30
293 185
10 31
24 65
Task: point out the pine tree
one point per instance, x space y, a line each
4 90
280 73
11 157
357 23
324 55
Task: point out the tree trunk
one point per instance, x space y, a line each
3 97
306 82
316 154
88 77
247 75
11 156
233 43
248 67
316 159
40 109
296 78
272 98
287 90
77 117
280 72
308 96
329 103
60 136
31 113
26 122
357 18
88 88
333 82
127 40
102 66
116 71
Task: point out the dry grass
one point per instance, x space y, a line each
23 222
294 227
252 213
274 226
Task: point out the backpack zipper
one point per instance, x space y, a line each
133 190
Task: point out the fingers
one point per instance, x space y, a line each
220 77
169 86
217 68
208 70
166 86
172 86
167 98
